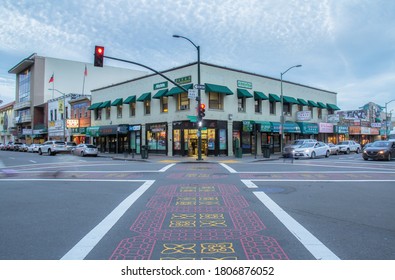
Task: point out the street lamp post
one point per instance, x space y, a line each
386 119
199 95
282 107
64 111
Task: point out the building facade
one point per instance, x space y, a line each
242 111
39 79
7 126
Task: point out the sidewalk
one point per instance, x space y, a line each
179 159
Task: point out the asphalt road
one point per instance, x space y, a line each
67 207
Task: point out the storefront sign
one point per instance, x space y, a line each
92 131
184 80
376 125
353 114
333 118
244 84
341 129
303 115
72 123
158 128
325 127
248 126
355 130
264 126
134 127
108 130
308 128
160 85
27 131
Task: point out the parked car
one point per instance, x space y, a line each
33 148
70 145
85 150
349 146
16 146
290 147
333 148
2 146
380 150
23 148
312 150
52 147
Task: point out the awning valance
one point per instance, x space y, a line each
95 106
130 99
243 93
260 95
218 88
144 97
105 104
117 102
321 105
302 102
160 94
177 90
312 103
332 106
289 99
274 97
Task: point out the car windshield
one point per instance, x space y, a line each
343 143
90 146
307 145
380 144
297 142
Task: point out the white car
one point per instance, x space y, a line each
33 148
85 150
349 146
312 150
52 147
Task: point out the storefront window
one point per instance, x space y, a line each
211 139
177 139
216 101
182 101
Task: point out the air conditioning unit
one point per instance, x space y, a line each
184 107
241 109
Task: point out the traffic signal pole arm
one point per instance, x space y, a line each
149 68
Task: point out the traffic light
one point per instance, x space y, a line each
202 110
99 55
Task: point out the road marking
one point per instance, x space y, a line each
249 184
227 167
308 240
33 161
166 167
89 241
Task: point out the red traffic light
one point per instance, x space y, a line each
99 55
202 106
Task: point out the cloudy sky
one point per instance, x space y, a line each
346 46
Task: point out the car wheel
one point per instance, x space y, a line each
40 152
357 151
348 151
49 152
82 154
327 153
313 155
389 157
365 158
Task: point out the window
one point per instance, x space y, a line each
119 111
258 106
215 101
319 113
67 112
108 113
272 105
51 117
183 101
311 109
164 104
98 114
287 109
55 115
300 107
147 107
24 86
132 109
241 104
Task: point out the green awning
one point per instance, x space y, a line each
144 97
274 97
332 106
95 106
312 103
218 88
289 99
302 102
289 127
105 104
160 94
177 90
117 102
130 99
264 126
308 128
260 95
92 131
243 93
321 105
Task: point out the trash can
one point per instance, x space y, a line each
144 151
266 150
238 152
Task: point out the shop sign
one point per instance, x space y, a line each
183 80
325 127
355 130
334 118
264 126
27 131
134 127
108 130
160 85
244 84
353 114
374 131
38 131
303 115
92 131
158 128
248 126
377 125
308 128
72 123
341 129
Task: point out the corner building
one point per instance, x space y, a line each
242 111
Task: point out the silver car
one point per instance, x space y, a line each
349 146
85 150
